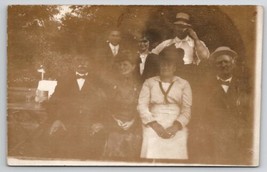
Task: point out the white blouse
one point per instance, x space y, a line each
180 95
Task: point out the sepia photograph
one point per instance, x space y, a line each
134 85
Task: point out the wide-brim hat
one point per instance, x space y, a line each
173 55
224 51
182 19
126 55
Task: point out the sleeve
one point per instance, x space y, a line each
143 104
197 59
160 47
54 102
98 107
185 114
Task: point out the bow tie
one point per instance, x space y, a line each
224 82
80 76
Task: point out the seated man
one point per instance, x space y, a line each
76 111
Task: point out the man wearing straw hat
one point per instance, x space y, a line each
226 119
187 39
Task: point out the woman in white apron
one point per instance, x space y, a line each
165 108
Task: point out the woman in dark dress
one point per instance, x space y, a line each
124 138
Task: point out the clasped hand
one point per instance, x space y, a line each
96 128
56 126
125 125
168 132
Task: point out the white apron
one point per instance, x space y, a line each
155 147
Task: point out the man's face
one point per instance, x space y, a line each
181 31
143 44
114 37
224 65
82 65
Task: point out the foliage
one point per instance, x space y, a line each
44 35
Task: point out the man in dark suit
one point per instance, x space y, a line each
226 120
77 115
105 54
147 63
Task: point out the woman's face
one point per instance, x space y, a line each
167 69
126 67
143 45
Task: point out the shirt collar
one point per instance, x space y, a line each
113 46
225 80
175 78
77 73
139 53
187 39
143 57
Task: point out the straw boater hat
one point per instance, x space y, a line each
182 19
223 51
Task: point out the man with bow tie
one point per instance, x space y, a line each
77 113
226 119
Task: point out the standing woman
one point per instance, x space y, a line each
147 63
124 126
165 109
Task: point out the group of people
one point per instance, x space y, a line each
152 105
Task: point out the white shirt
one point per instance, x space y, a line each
81 81
143 61
225 87
187 44
114 49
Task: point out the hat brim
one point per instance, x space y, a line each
182 23
223 52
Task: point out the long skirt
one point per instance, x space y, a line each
155 147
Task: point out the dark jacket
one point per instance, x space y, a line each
151 67
72 105
122 97
104 59
226 121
